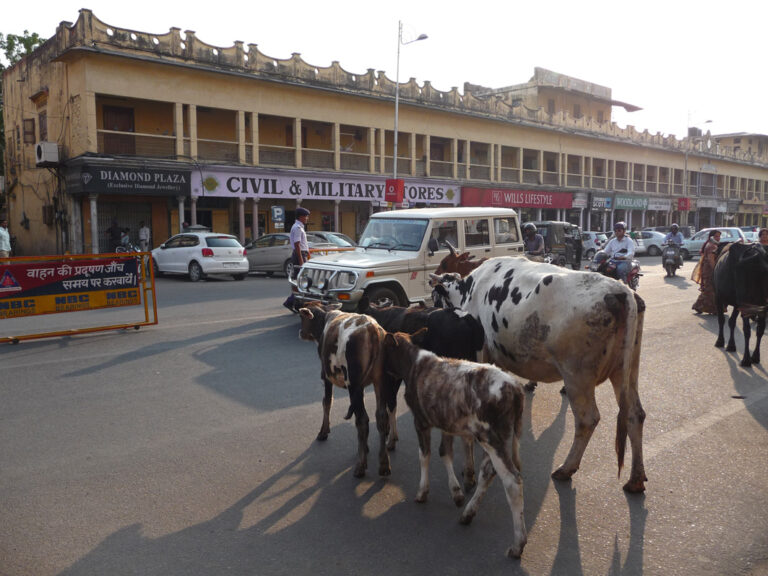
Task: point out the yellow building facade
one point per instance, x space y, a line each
105 124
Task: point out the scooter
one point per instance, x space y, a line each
671 259
606 266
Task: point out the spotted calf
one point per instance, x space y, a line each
475 401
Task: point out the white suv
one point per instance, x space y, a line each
398 250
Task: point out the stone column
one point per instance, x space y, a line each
94 223
372 150
181 213
241 219
297 141
193 211
192 121
240 128
255 218
336 216
255 137
178 127
336 144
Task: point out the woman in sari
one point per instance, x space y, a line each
704 273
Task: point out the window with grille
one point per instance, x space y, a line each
42 123
29 131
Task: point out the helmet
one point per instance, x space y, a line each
529 226
674 228
620 225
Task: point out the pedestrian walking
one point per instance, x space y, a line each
5 239
703 274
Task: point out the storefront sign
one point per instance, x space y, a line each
707 203
505 198
733 206
265 184
394 190
659 204
631 203
580 200
128 180
602 203
722 207
683 204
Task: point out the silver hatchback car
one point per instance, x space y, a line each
692 246
272 252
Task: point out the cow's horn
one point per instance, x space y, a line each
451 248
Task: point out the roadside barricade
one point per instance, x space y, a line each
77 284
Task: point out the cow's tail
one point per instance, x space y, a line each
634 312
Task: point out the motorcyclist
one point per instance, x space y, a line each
621 248
534 242
674 237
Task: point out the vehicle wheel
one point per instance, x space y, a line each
195 272
590 254
288 268
238 276
685 254
156 269
560 260
382 296
654 250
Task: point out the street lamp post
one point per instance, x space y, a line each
397 86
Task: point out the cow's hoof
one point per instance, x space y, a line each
530 387
634 487
385 471
458 498
359 471
466 518
514 552
322 437
730 348
719 343
746 363
561 475
422 497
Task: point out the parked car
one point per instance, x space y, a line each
751 235
337 238
652 241
272 252
592 242
562 240
692 246
198 254
640 249
754 229
687 231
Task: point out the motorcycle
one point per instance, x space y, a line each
671 259
606 266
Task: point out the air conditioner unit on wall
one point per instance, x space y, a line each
46 154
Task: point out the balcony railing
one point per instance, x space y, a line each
479 172
130 143
551 178
354 161
441 169
312 158
620 183
221 150
277 155
599 182
531 176
574 180
510 174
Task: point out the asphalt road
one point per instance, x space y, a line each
188 448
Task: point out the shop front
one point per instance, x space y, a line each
707 212
630 209
337 202
685 215
599 217
657 212
531 205
103 191
749 212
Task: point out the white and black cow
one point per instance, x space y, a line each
350 347
547 323
474 401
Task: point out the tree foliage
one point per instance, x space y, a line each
12 49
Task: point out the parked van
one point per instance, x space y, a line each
400 248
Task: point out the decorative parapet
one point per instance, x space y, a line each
91 32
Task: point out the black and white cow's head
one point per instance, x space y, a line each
313 319
452 288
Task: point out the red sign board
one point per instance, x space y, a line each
683 204
393 192
507 198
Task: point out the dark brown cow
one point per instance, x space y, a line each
462 263
475 401
351 355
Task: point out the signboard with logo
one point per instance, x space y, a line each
285 184
506 198
128 180
659 204
602 203
394 190
631 203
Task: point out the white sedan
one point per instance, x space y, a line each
198 254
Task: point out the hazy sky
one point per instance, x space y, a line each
676 59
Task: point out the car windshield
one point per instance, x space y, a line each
338 240
222 242
394 234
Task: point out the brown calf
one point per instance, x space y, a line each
471 400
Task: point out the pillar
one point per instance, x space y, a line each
336 216
255 218
94 224
241 219
193 210
192 121
178 127
181 213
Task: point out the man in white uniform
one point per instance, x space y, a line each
622 249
